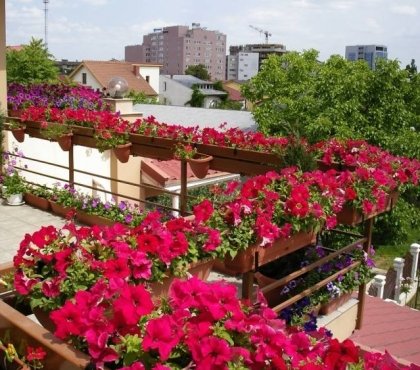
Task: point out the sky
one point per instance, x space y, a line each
99 29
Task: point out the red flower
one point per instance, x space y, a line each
133 303
148 243
161 334
35 354
203 211
116 269
67 320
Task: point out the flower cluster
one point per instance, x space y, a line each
111 127
202 326
53 95
67 196
33 356
53 264
352 154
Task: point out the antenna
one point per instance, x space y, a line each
45 22
266 33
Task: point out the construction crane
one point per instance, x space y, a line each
266 33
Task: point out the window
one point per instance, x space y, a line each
84 78
148 79
164 86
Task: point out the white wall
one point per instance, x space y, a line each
153 73
90 80
247 65
85 159
172 92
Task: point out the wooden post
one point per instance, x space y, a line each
71 167
247 284
183 205
368 225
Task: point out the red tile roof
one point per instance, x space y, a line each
103 71
389 326
168 173
233 93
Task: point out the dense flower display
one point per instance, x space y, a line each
53 264
48 95
202 326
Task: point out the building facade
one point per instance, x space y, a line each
178 47
367 52
244 61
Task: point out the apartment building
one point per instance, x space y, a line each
369 53
178 47
244 61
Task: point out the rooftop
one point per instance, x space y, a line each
389 326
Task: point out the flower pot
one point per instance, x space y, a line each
245 260
91 220
334 304
122 152
37 202
200 269
15 199
200 164
14 112
19 134
24 330
65 141
351 216
60 210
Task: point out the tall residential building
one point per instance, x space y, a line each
244 61
367 52
178 47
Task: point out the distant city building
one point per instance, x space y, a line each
178 90
244 61
178 47
66 67
367 52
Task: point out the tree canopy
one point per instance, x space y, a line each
32 64
338 98
199 71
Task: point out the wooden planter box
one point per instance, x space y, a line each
60 356
245 260
37 202
60 210
334 304
200 269
351 216
90 220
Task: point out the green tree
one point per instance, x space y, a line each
199 71
296 95
32 64
139 97
197 98
225 102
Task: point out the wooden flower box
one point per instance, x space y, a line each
200 269
351 216
37 202
334 304
60 356
60 210
246 261
90 220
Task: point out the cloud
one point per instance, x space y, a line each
404 9
342 4
96 2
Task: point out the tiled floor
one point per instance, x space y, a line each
16 221
389 326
